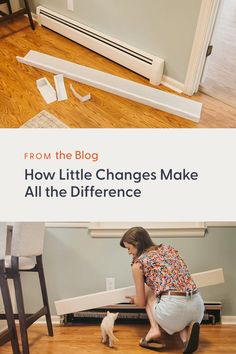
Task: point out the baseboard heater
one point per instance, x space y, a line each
150 96
130 313
143 63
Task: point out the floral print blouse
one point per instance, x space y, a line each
164 269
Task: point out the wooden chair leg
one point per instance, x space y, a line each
29 14
9 313
20 306
9 7
44 294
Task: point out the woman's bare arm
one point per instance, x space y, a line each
137 272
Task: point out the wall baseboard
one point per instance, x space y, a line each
228 320
56 320
35 17
166 80
158 99
172 84
141 62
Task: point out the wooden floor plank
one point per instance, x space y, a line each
85 339
20 99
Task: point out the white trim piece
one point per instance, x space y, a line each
210 277
86 302
34 16
172 84
79 225
60 87
156 72
56 320
112 297
155 98
77 95
135 59
205 26
46 90
221 224
228 320
156 229
70 5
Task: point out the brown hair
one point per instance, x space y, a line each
138 237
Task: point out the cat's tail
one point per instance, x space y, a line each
111 335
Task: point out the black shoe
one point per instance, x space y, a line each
153 345
193 338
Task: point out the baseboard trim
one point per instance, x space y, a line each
172 84
228 320
56 320
132 90
166 80
34 16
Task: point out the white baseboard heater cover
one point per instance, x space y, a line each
86 302
210 277
155 98
143 63
113 297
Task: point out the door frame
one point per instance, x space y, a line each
204 30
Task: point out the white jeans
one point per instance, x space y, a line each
174 313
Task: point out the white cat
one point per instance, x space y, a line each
107 326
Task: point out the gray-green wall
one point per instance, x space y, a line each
76 264
162 27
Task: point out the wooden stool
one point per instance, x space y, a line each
8 5
10 333
26 256
12 15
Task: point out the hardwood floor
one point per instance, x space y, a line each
20 99
85 339
219 80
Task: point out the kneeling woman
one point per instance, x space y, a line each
171 297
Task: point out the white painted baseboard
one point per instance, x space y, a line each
228 320
158 99
56 320
166 80
112 297
172 84
90 301
208 278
